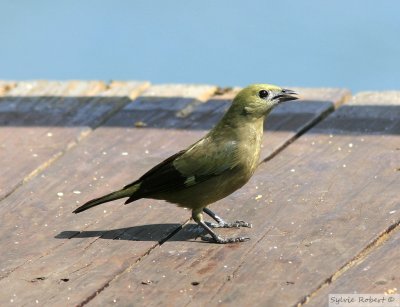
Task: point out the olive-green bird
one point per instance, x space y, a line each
213 167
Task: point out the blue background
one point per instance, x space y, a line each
353 43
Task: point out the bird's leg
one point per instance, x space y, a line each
197 216
222 223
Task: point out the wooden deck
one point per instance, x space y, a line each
324 203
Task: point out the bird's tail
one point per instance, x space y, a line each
106 198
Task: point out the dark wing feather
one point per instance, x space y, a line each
198 163
161 167
161 177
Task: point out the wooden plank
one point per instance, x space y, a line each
314 207
89 260
377 272
40 120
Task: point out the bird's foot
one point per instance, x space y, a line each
221 240
223 224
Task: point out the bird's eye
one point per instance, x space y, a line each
263 94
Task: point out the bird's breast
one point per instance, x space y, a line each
250 147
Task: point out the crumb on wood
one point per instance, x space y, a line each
259 196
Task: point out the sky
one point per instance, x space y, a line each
312 43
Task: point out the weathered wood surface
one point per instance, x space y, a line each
326 199
312 219
378 272
375 269
40 120
40 263
54 190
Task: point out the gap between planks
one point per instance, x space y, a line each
356 260
132 265
306 127
39 169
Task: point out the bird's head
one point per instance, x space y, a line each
257 100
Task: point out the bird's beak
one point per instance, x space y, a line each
286 95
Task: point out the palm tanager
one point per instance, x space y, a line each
215 166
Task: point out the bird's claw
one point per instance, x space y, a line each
221 240
235 224
242 224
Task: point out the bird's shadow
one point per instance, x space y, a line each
151 232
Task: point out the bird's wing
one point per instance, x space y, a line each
202 161
208 158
